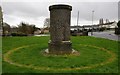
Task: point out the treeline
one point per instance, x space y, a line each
23 29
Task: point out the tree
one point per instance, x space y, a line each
47 23
6 29
25 28
117 30
22 28
1 17
31 29
118 24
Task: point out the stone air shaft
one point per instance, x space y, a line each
60 16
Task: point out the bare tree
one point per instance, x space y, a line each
47 23
25 28
22 28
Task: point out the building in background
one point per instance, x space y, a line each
101 21
97 27
107 21
108 25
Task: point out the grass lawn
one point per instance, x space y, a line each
24 55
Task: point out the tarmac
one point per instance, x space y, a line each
106 34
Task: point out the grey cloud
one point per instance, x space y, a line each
34 10
31 9
102 10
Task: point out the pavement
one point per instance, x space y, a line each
107 34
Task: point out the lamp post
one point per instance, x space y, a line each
77 21
92 22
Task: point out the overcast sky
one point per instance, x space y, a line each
35 12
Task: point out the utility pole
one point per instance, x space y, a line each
92 22
77 20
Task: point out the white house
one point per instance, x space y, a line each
109 25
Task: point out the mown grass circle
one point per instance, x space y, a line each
30 56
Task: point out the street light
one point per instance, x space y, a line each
92 22
77 21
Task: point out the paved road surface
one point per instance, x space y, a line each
108 35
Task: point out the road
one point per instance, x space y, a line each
107 34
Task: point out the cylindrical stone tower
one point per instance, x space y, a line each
60 16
